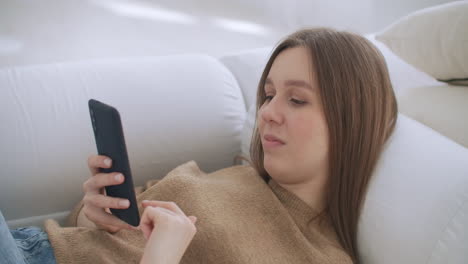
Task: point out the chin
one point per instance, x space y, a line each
272 166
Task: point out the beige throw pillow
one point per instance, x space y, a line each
434 40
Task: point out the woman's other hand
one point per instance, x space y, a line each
168 232
96 203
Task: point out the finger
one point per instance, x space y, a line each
101 180
103 219
148 220
102 201
152 215
98 161
172 206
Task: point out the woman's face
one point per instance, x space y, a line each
292 113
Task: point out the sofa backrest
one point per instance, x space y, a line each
173 109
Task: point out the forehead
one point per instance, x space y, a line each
292 63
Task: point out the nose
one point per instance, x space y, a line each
271 112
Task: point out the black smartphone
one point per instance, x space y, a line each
110 142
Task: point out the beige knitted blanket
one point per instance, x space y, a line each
241 219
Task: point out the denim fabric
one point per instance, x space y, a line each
24 245
9 252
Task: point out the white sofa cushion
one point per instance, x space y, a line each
434 40
247 67
416 208
173 109
247 132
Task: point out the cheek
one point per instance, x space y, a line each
311 133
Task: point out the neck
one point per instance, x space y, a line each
311 191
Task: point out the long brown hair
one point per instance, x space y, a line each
360 109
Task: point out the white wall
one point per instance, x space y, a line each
47 31
362 16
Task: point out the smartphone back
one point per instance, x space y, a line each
110 142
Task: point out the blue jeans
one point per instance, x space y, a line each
24 245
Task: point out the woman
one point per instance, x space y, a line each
325 108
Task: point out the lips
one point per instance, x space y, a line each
271 142
271 138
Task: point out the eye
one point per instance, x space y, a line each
298 102
268 98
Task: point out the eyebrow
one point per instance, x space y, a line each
296 83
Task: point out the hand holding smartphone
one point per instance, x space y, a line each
110 142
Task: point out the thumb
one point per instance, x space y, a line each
193 219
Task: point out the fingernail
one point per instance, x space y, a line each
124 203
145 201
118 177
107 162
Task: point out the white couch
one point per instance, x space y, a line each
195 107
